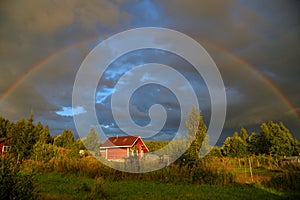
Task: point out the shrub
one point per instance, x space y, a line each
14 183
286 181
98 191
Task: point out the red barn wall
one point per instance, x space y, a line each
1 146
103 154
117 153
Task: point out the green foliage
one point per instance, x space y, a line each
215 152
43 134
253 143
66 187
205 147
44 152
235 147
66 139
57 186
286 181
98 191
196 135
5 126
23 139
155 145
24 135
14 183
244 135
91 140
274 139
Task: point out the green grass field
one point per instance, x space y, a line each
59 186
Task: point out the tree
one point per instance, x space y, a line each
23 138
244 135
253 142
205 147
66 139
43 150
91 140
5 126
14 183
215 152
281 140
197 134
274 139
44 136
264 139
235 147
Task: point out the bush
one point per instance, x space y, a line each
286 181
97 191
15 184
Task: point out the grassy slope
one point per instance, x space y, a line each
55 186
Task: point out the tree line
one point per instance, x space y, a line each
34 141
30 140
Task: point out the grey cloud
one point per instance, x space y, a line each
263 34
47 17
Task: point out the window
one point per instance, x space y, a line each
5 148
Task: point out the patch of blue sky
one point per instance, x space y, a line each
103 94
147 13
123 64
70 112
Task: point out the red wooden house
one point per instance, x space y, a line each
4 145
121 147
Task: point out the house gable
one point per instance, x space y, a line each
120 147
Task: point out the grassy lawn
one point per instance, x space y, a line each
57 186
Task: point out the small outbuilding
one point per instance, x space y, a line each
4 145
121 147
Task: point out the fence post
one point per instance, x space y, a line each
250 167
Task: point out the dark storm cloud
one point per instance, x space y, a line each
263 34
30 32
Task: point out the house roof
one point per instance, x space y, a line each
121 141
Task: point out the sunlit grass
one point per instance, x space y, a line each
57 186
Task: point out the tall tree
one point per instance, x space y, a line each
244 135
44 135
43 150
21 140
253 142
5 126
197 133
281 140
91 140
235 147
66 139
274 139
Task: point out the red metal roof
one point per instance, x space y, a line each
120 141
124 141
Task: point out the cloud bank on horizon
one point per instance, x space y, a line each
239 35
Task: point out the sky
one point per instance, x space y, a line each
255 45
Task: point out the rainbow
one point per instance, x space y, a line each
38 66
249 67
259 75
22 78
